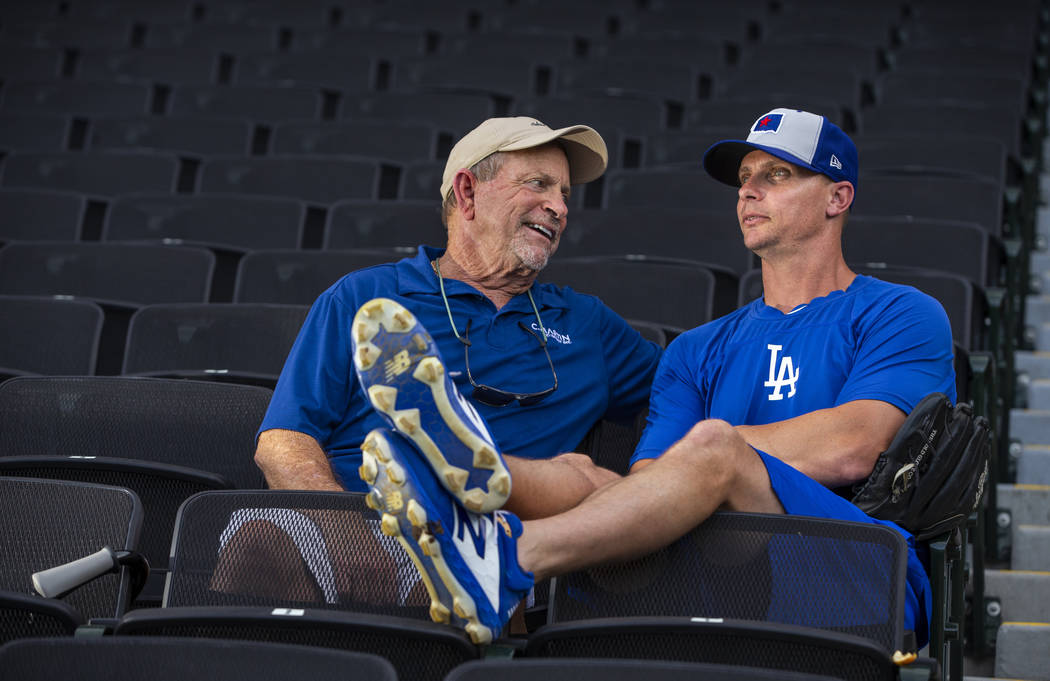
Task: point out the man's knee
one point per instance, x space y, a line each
711 445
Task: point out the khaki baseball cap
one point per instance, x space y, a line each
584 147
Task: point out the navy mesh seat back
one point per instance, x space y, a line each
196 135
93 172
33 132
132 274
25 616
371 224
45 523
298 277
827 574
196 424
290 549
40 215
564 669
51 336
217 340
710 236
177 659
676 295
236 222
315 179
780 648
421 651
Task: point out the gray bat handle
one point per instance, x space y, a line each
61 579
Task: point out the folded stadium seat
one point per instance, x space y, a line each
510 77
298 277
497 43
192 135
352 40
529 669
448 17
989 60
123 10
242 562
421 180
710 236
734 112
30 63
588 19
228 37
166 439
384 224
313 179
46 523
871 25
34 132
785 84
635 116
457 112
120 277
232 342
688 188
713 54
167 65
98 173
259 103
76 97
919 242
906 152
67 33
816 53
647 289
772 591
162 659
914 86
667 79
734 24
348 73
218 221
52 336
392 140
40 215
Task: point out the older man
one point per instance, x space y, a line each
541 364
763 410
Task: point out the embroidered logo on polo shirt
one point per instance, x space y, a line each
554 335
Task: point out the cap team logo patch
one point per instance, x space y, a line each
768 123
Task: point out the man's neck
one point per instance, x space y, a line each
786 286
490 279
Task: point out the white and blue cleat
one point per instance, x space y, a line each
468 561
401 370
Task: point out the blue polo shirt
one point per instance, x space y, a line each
605 368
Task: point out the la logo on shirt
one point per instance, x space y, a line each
784 376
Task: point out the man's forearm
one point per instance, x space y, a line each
293 460
836 446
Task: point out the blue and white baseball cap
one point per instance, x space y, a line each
798 137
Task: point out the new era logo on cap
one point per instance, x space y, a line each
835 162
768 123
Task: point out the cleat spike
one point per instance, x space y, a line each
500 484
416 515
367 354
439 613
479 634
408 421
373 503
456 479
368 469
395 473
389 526
373 309
401 320
474 500
420 344
383 397
484 457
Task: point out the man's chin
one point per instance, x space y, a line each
534 258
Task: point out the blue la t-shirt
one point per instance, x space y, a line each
758 365
604 367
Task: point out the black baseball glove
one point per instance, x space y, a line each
933 474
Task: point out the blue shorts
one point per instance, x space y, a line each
803 496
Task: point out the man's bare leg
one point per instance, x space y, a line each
547 487
711 468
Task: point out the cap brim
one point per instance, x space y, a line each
584 148
722 159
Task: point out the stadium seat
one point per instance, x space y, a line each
234 37
507 77
314 179
386 140
457 112
350 586
46 523
565 669
318 69
383 224
34 132
95 173
668 79
260 103
298 277
375 42
166 65
164 659
230 342
192 135
80 97
30 62
51 336
40 215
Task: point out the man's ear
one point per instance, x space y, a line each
841 199
464 185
